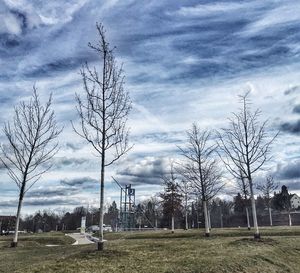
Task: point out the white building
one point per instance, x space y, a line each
295 201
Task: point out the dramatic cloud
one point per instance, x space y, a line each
184 61
147 171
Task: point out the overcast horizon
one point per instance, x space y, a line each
184 62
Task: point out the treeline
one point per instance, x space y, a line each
156 213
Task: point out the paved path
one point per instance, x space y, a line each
81 239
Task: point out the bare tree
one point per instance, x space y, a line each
244 147
30 146
155 200
103 112
200 168
267 189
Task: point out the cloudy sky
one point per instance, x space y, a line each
185 61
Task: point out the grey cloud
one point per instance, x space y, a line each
57 66
56 201
288 171
72 146
147 171
9 204
53 192
291 127
64 162
82 182
292 90
296 109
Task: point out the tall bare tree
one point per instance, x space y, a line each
200 168
244 147
103 112
267 188
30 146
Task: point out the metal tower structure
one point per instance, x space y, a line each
127 207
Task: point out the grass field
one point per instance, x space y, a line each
227 251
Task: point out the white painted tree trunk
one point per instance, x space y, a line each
186 214
209 221
255 225
248 220
270 214
290 219
101 240
206 218
186 221
173 228
15 239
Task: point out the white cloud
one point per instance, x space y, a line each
286 12
9 24
210 9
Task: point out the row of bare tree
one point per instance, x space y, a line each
243 147
103 110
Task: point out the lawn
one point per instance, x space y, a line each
228 251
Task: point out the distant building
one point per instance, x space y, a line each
295 201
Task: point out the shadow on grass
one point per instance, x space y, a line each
251 241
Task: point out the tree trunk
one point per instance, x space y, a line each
172 223
186 214
255 225
270 214
290 219
14 243
186 221
209 222
101 242
221 218
206 218
15 239
248 220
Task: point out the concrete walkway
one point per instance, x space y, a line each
81 239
